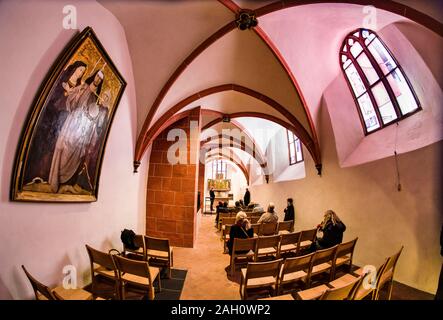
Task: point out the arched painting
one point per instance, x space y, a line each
62 145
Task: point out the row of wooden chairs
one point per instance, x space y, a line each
282 276
262 229
229 218
275 246
357 285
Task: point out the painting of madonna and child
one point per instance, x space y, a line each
63 142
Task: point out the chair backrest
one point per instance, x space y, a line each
341 293
244 244
138 268
101 258
362 286
290 238
256 227
158 244
263 269
308 235
223 215
392 262
254 220
227 229
228 221
346 248
297 264
39 287
322 256
268 241
267 229
285 225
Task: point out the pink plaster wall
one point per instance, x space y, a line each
46 237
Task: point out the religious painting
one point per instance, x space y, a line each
61 150
219 184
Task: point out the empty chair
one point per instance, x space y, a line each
243 249
268 246
137 254
102 267
159 253
268 229
341 293
387 275
293 272
321 263
260 275
307 237
289 243
369 283
343 256
137 275
225 237
285 227
312 293
43 292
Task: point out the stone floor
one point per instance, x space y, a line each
207 278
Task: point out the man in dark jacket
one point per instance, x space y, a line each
212 198
289 211
247 197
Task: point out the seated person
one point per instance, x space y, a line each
242 205
332 228
221 207
270 216
258 209
241 229
237 207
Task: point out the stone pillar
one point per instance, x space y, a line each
172 188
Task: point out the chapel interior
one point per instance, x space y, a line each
337 105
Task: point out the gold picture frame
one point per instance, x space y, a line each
61 149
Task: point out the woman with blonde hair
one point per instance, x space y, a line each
332 228
241 229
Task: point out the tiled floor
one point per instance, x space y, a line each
208 279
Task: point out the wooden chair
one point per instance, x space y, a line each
289 243
268 229
307 237
136 254
159 253
343 256
260 275
103 266
285 227
138 275
321 263
369 284
243 249
312 293
43 292
268 246
280 297
228 221
254 220
221 216
387 275
256 228
341 293
294 271
225 237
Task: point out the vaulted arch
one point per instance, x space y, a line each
233 160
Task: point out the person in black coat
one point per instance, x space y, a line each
332 228
212 198
289 211
241 229
247 197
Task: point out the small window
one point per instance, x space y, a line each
219 169
295 150
381 90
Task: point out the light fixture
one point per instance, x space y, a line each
246 20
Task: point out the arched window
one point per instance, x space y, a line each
381 90
295 150
219 169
